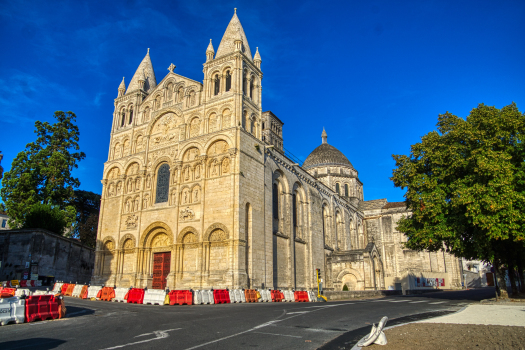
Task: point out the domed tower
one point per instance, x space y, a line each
330 166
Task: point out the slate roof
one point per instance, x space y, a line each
373 204
326 154
395 205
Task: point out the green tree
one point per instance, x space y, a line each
45 216
465 187
87 205
42 173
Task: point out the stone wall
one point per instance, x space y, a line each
38 251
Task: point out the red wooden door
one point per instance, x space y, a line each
161 269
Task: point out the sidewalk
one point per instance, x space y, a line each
478 326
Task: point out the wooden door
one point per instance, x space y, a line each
161 269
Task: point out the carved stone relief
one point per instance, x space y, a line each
160 240
186 214
131 221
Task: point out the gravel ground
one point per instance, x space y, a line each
441 336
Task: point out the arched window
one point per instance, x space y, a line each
275 202
130 115
217 84
123 118
228 81
163 184
244 84
251 88
294 214
337 189
323 215
346 190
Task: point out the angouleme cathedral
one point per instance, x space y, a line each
198 193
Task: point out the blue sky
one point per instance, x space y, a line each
375 74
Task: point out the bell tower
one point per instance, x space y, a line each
233 77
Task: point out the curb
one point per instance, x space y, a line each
355 347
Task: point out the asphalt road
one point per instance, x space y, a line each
332 325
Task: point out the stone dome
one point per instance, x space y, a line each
326 154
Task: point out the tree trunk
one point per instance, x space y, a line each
521 276
512 280
501 289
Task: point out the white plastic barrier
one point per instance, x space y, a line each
58 287
120 293
93 291
154 296
312 296
22 291
237 296
288 296
38 283
242 295
43 292
266 296
12 310
203 297
77 290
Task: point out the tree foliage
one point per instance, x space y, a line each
465 185
87 205
42 173
45 216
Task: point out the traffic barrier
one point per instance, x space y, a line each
136 296
154 296
250 295
203 297
288 296
276 296
84 292
15 283
12 310
221 296
120 294
266 296
93 291
312 296
43 292
106 294
23 291
181 297
237 296
69 290
57 287
61 307
7 292
23 284
301 296
77 290
41 307
38 283
63 289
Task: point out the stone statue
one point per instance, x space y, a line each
145 203
111 190
119 188
128 205
137 208
148 181
130 186
197 172
225 165
196 195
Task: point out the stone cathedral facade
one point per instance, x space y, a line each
198 193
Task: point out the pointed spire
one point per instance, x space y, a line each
210 48
121 88
324 136
234 32
144 73
257 58
210 52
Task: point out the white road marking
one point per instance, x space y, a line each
298 312
283 335
376 301
158 335
421 301
251 329
320 330
439 302
398 301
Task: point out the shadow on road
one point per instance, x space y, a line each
470 294
75 311
34 343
